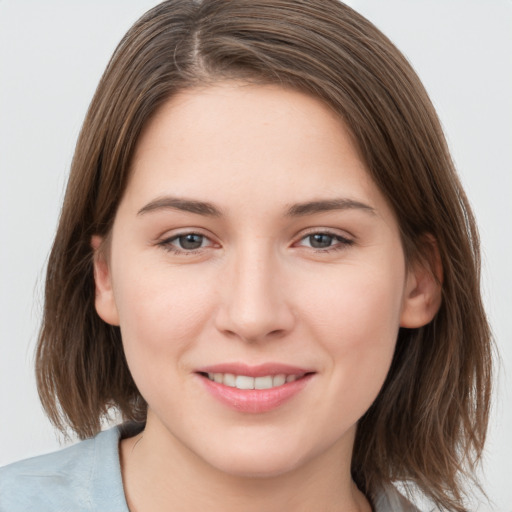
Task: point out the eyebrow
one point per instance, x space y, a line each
186 205
296 210
312 207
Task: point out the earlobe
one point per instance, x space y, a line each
104 296
423 289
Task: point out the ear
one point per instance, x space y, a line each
423 289
104 298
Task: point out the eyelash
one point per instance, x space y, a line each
342 242
168 246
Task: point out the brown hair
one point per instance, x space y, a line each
428 424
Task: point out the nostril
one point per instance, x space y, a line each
276 333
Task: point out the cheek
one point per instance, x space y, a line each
161 314
361 305
357 325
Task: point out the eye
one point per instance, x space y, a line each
189 241
325 241
185 243
320 240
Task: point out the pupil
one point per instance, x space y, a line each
191 241
320 241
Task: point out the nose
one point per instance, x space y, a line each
254 306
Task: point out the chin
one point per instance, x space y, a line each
257 466
259 458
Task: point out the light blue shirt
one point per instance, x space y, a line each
86 477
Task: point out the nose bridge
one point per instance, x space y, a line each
254 301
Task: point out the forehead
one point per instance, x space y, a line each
257 140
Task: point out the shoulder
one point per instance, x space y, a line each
78 478
52 482
388 499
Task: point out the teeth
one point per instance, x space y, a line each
263 382
229 380
279 380
246 382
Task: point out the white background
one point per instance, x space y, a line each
52 54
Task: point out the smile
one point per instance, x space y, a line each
248 382
254 389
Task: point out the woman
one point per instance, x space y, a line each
266 262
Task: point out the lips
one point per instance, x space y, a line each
254 389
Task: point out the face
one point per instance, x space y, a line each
252 250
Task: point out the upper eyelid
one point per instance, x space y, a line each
335 238
327 231
175 233
172 238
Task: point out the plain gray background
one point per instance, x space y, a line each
52 55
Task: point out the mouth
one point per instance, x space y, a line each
247 382
254 389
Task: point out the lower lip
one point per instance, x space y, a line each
255 400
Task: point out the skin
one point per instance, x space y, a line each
256 291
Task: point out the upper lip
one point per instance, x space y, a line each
259 370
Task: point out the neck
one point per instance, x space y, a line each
161 475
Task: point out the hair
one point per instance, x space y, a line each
428 424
